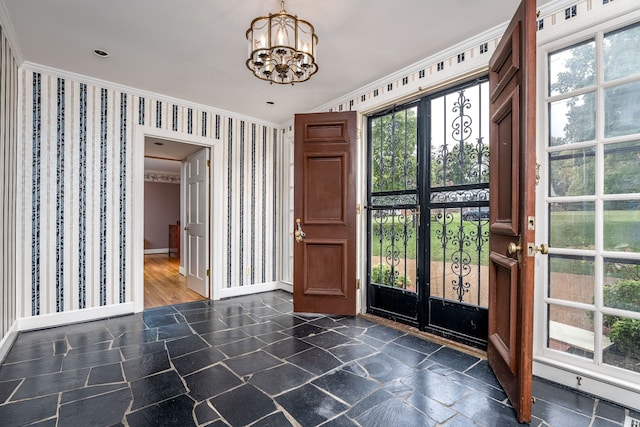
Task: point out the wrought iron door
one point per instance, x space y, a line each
429 213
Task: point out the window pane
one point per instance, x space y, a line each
622 109
622 285
621 165
621 230
571 331
572 172
571 279
621 57
621 343
394 155
572 68
459 137
572 225
572 120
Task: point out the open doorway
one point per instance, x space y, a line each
167 191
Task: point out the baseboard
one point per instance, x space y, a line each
8 340
621 392
156 251
286 286
249 289
74 316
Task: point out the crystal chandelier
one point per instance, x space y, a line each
282 48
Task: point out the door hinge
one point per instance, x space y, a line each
208 272
357 283
208 163
358 209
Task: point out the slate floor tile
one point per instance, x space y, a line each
454 359
7 388
237 348
346 386
315 360
31 368
435 410
112 407
487 412
251 362
172 365
146 365
233 405
279 379
390 411
211 382
197 360
563 397
156 388
384 368
105 374
559 415
310 406
328 339
224 337
349 352
286 348
436 386
43 385
133 351
402 354
28 411
186 345
274 420
176 412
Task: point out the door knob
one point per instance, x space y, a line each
543 249
513 248
299 234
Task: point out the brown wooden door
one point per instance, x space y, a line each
512 85
324 272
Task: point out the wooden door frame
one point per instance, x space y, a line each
216 201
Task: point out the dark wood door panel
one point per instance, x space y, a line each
330 131
325 267
324 193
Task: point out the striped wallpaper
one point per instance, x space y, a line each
76 182
8 184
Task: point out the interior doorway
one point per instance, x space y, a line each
167 259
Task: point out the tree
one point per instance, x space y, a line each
394 154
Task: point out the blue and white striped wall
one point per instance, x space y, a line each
81 145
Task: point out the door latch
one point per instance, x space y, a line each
299 234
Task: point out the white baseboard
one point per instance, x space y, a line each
620 392
156 251
249 289
74 316
8 340
286 286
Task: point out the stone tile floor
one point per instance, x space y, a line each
250 361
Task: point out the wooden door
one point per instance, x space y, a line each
325 210
197 227
512 85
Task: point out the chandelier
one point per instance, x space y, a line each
282 48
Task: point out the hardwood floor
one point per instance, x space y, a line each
163 284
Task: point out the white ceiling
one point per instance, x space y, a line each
195 50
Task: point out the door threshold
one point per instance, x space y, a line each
426 335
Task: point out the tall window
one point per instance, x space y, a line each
593 200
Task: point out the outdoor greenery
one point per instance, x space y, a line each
381 274
624 332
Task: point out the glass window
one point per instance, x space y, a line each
572 172
621 230
572 225
621 166
622 110
572 68
572 119
571 331
621 55
572 278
